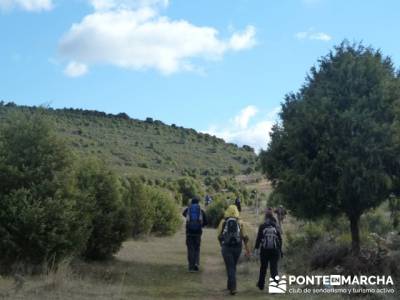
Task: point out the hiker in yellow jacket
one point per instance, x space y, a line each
231 235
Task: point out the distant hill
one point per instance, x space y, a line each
149 147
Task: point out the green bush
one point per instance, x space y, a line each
166 212
215 212
217 184
40 221
151 210
110 222
141 208
189 188
376 222
312 232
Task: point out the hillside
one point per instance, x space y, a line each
149 147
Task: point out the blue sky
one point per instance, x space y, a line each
220 66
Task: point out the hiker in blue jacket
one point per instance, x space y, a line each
195 221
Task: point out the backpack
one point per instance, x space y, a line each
194 217
231 233
270 239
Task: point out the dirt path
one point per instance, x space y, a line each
163 263
155 268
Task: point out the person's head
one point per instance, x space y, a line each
269 213
195 200
280 206
232 212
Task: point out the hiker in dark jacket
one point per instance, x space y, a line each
196 219
280 213
269 243
238 204
208 200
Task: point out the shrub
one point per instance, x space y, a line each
217 184
166 212
231 170
376 222
143 165
328 253
313 231
110 222
39 216
394 207
140 207
189 188
215 212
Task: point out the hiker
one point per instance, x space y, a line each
208 200
195 221
269 245
231 235
280 213
238 204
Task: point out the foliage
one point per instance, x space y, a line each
189 188
334 150
394 207
166 213
152 210
110 222
40 221
131 146
215 211
141 208
375 222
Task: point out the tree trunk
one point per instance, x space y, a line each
355 235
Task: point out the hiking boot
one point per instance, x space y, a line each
261 287
196 268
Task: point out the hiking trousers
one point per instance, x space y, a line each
231 256
271 257
193 250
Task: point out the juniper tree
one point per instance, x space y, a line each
334 150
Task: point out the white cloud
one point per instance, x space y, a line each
243 40
75 69
242 131
243 118
28 5
133 35
313 35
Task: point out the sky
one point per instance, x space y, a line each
218 66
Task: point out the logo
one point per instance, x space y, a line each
277 285
340 284
335 280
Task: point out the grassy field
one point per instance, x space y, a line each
154 268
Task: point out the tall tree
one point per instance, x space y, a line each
334 150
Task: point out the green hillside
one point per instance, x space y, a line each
149 147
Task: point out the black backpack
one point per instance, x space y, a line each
231 233
270 240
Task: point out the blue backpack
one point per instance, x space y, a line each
194 217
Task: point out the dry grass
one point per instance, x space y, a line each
147 269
